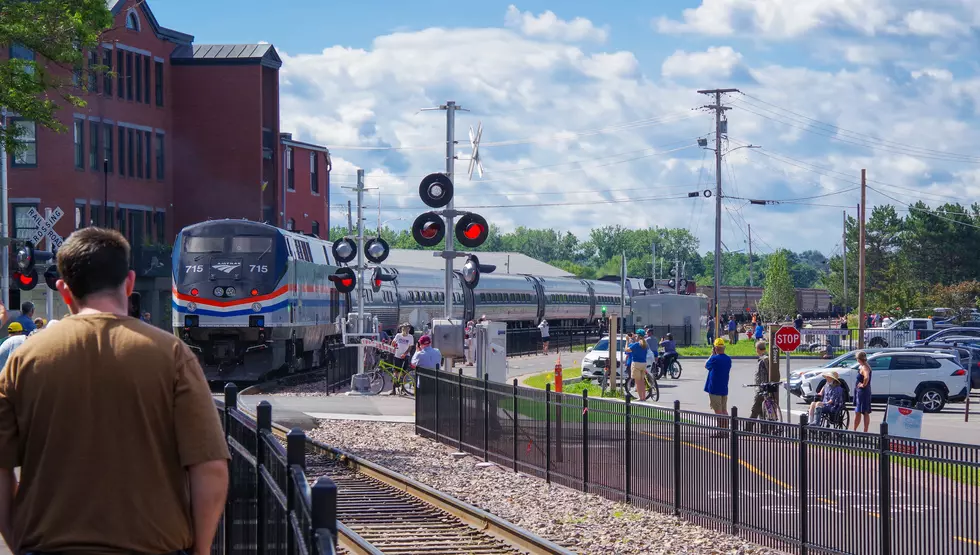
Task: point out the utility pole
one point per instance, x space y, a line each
450 255
751 279
653 263
350 223
4 234
862 271
844 258
719 111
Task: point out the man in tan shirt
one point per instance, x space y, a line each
111 423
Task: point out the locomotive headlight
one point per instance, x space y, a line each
219 291
256 307
229 291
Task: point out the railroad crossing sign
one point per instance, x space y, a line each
45 228
788 338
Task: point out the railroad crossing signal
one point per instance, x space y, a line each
376 250
344 280
51 277
472 230
428 229
475 162
436 190
379 277
788 338
472 270
344 250
25 280
45 228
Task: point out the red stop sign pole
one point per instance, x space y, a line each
787 339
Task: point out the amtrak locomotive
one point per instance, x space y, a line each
253 300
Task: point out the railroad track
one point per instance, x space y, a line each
381 511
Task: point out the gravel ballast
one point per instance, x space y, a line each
584 523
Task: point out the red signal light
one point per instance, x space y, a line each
473 231
347 282
377 283
255 292
194 292
24 280
430 230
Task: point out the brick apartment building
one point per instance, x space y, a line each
173 134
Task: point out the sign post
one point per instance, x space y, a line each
788 339
45 231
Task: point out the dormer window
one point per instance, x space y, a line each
132 21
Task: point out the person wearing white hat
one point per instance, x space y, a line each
832 399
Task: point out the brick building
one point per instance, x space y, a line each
177 133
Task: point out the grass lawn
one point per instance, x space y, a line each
538 381
744 347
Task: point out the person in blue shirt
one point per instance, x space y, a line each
638 355
26 318
759 331
426 356
732 330
719 367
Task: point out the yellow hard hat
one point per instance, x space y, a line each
15 327
719 342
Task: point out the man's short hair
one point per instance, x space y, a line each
93 260
27 307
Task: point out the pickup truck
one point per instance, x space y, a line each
900 332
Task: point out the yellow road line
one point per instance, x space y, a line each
747 465
967 540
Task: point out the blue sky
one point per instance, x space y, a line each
587 107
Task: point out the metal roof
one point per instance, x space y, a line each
519 263
264 54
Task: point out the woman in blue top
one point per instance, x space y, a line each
862 395
638 355
759 330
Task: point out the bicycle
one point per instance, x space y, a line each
629 384
398 377
674 368
770 408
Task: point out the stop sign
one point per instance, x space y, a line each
788 339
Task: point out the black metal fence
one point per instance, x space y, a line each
527 341
789 486
271 507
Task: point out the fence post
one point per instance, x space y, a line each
295 455
547 432
677 457
459 389
323 505
486 417
628 448
515 424
435 381
804 486
231 401
585 440
884 489
733 429
263 414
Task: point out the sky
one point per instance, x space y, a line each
590 112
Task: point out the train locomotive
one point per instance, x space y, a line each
254 301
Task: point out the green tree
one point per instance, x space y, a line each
57 32
778 295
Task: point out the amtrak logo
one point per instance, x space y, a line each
226 267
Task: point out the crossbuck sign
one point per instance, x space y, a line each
45 228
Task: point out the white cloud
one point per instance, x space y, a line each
717 61
549 26
568 130
927 23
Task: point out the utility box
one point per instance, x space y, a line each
447 336
491 351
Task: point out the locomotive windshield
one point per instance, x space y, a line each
204 245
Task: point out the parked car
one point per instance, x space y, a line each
958 334
899 333
924 377
843 361
593 363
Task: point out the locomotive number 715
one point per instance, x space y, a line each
260 268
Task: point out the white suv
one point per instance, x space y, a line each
601 351
932 379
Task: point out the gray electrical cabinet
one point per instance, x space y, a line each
447 336
491 351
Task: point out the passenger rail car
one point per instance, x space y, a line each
252 299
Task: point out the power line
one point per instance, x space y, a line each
576 203
940 216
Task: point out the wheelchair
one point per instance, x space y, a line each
838 420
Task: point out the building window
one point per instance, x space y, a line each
121 221
146 80
139 154
132 21
80 215
95 215
80 144
26 156
110 217
122 151
315 228
148 220
24 225
160 159
290 183
314 173
158 66
107 76
107 147
291 224
139 78
147 154
93 76
22 53
121 72
129 75
94 131
161 225
131 154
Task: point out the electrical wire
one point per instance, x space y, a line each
940 216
